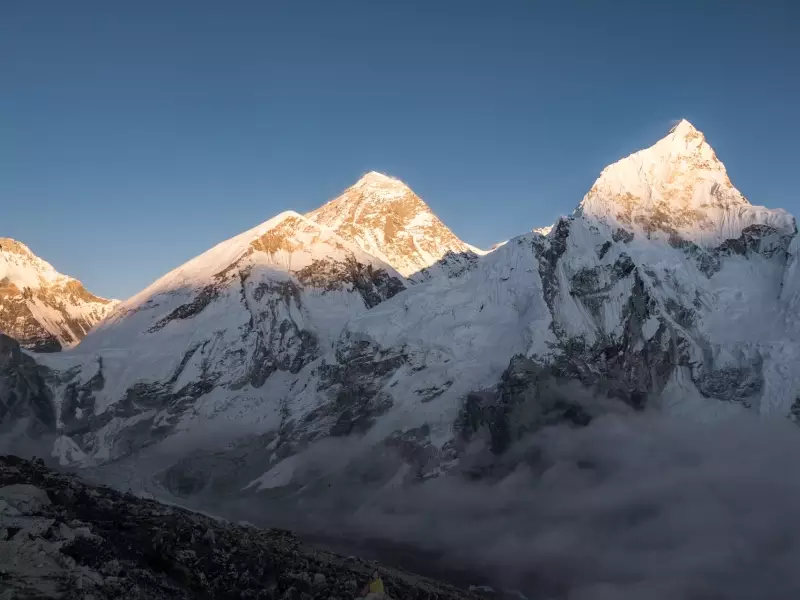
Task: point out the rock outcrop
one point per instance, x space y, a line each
62 538
27 410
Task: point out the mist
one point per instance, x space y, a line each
632 506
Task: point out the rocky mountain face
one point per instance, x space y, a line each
62 538
27 410
40 308
293 356
222 339
383 217
612 310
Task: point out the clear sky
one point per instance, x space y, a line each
136 135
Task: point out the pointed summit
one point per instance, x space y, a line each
676 189
684 128
41 308
377 178
380 187
385 218
685 140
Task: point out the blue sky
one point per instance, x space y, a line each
136 135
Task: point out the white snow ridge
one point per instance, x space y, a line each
365 342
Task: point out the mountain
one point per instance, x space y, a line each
291 357
612 310
221 339
383 217
677 187
41 308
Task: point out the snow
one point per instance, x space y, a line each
681 181
23 268
223 337
650 327
457 335
278 476
47 295
202 268
385 218
477 322
67 452
462 330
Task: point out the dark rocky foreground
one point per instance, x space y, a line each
63 538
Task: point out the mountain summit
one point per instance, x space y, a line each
676 189
385 218
41 308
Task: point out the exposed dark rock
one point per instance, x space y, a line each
353 385
415 449
77 404
682 315
549 250
731 383
527 399
585 283
433 392
374 285
74 541
622 267
622 235
356 409
602 250
145 399
580 379
281 343
755 239
454 264
794 411
186 311
24 394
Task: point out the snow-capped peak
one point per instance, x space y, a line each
677 187
40 307
376 179
385 218
684 128
23 268
287 239
377 187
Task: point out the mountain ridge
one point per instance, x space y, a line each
40 307
290 335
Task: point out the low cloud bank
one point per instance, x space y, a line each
632 506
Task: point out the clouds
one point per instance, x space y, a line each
632 506
635 505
